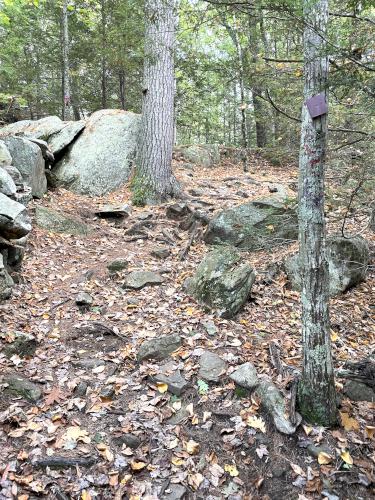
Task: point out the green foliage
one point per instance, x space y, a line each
140 190
203 387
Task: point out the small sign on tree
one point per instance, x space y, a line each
317 105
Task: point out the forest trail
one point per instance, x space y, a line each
103 408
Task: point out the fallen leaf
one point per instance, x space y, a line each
370 431
324 458
195 480
345 455
231 469
348 422
298 470
192 447
256 423
137 466
162 388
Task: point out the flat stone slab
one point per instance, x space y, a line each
245 376
139 279
212 367
61 139
59 222
172 377
159 348
114 211
21 386
117 265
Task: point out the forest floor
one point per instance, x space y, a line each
199 440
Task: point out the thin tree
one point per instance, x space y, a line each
316 389
66 94
154 181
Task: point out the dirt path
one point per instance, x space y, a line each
124 435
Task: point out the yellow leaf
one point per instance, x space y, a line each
75 433
177 461
162 387
192 447
173 444
231 469
324 458
345 455
334 336
370 431
137 466
307 429
348 422
85 495
256 423
270 227
298 470
195 480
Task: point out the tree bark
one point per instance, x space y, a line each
154 181
104 54
66 94
316 389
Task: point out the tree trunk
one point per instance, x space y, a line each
121 77
154 181
104 55
66 96
316 389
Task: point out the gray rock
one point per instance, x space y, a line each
315 451
348 259
130 440
211 367
159 348
24 196
59 222
114 211
222 281
28 159
61 139
88 363
15 175
273 402
253 226
14 220
174 492
46 152
172 377
177 211
23 387
210 327
245 376
100 159
84 299
207 155
16 253
180 415
80 390
5 156
117 265
372 220
139 279
160 253
6 282
24 345
7 185
39 129
356 391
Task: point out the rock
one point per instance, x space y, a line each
372 220
348 259
222 281
38 129
14 220
177 211
88 363
16 253
15 175
28 159
211 367
117 265
273 402
24 196
160 253
246 376
6 282
356 391
210 327
139 279
315 451
129 440
80 390
21 386
23 344
84 299
46 152
172 377
100 159
59 222
159 348
174 492
5 156
107 392
7 185
207 155
180 415
253 226
61 139
114 211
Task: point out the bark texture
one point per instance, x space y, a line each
66 97
154 181
316 390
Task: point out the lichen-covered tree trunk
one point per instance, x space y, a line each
66 95
316 389
154 181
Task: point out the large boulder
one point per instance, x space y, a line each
347 258
59 222
222 281
28 159
5 157
254 226
14 220
7 185
100 160
206 155
39 129
61 139
6 282
372 220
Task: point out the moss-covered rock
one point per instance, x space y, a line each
58 222
255 225
222 281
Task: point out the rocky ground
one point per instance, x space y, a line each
90 414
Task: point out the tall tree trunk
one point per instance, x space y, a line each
104 54
154 181
66 95
121 77
316 389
